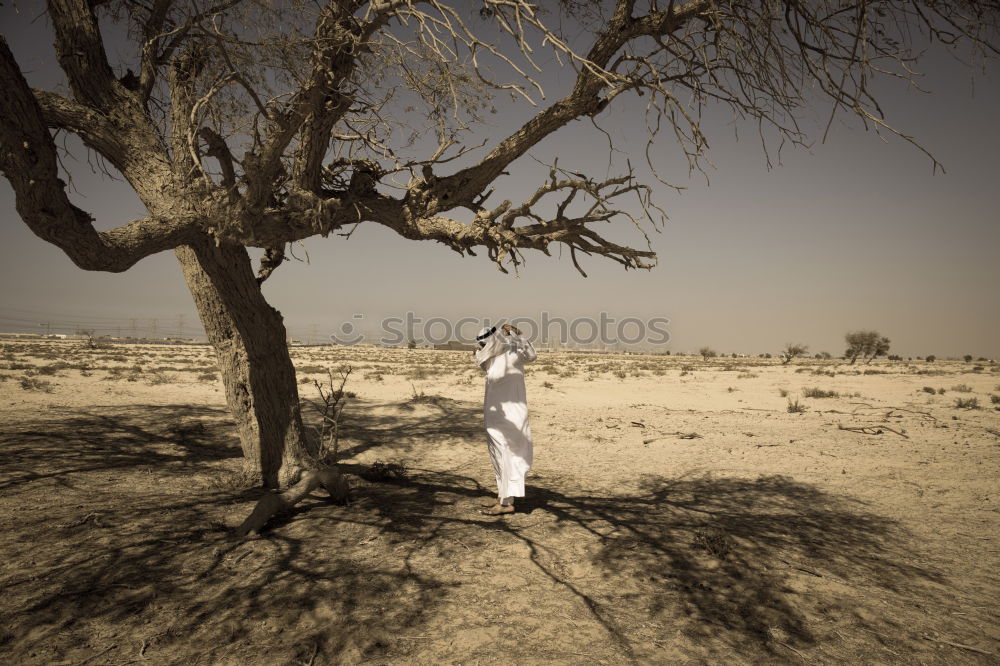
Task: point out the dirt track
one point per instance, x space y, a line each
677 513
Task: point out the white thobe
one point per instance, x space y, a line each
505 410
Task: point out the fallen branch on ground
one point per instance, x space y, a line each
870 430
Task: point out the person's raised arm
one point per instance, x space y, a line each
519 344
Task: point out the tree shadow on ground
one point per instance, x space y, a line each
712 555
154 576
407 425
174 438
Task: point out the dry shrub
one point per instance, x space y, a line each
35 384
796 407
819 393
384 471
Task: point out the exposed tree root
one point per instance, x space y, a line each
273 504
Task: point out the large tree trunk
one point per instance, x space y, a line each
249 339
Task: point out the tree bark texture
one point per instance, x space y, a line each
249 339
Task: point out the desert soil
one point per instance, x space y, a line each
677 513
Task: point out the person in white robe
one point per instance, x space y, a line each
502 354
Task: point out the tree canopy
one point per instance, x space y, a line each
264 123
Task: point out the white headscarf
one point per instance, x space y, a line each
494 346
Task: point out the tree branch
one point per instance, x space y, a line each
28 160
81 54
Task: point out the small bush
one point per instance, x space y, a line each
783 393
931 358
819 393
157 378
796 407
715 540
966 403
962 388
930 389
619 373
747 375
940 391
207 377
548 385
383 471
995 399
35 384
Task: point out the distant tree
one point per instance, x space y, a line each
707 353
967 357
412 344
866 345
793 351
931 358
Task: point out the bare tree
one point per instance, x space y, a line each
246 123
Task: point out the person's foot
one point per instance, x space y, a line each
498 509
492 502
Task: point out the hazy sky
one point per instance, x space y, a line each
854 233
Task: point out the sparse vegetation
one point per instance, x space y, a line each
793 351
866 345
929 389
795 407
962 388
157 378
36 384
967 403
707 353
381 471
818 393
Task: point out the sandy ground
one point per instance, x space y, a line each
677 513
